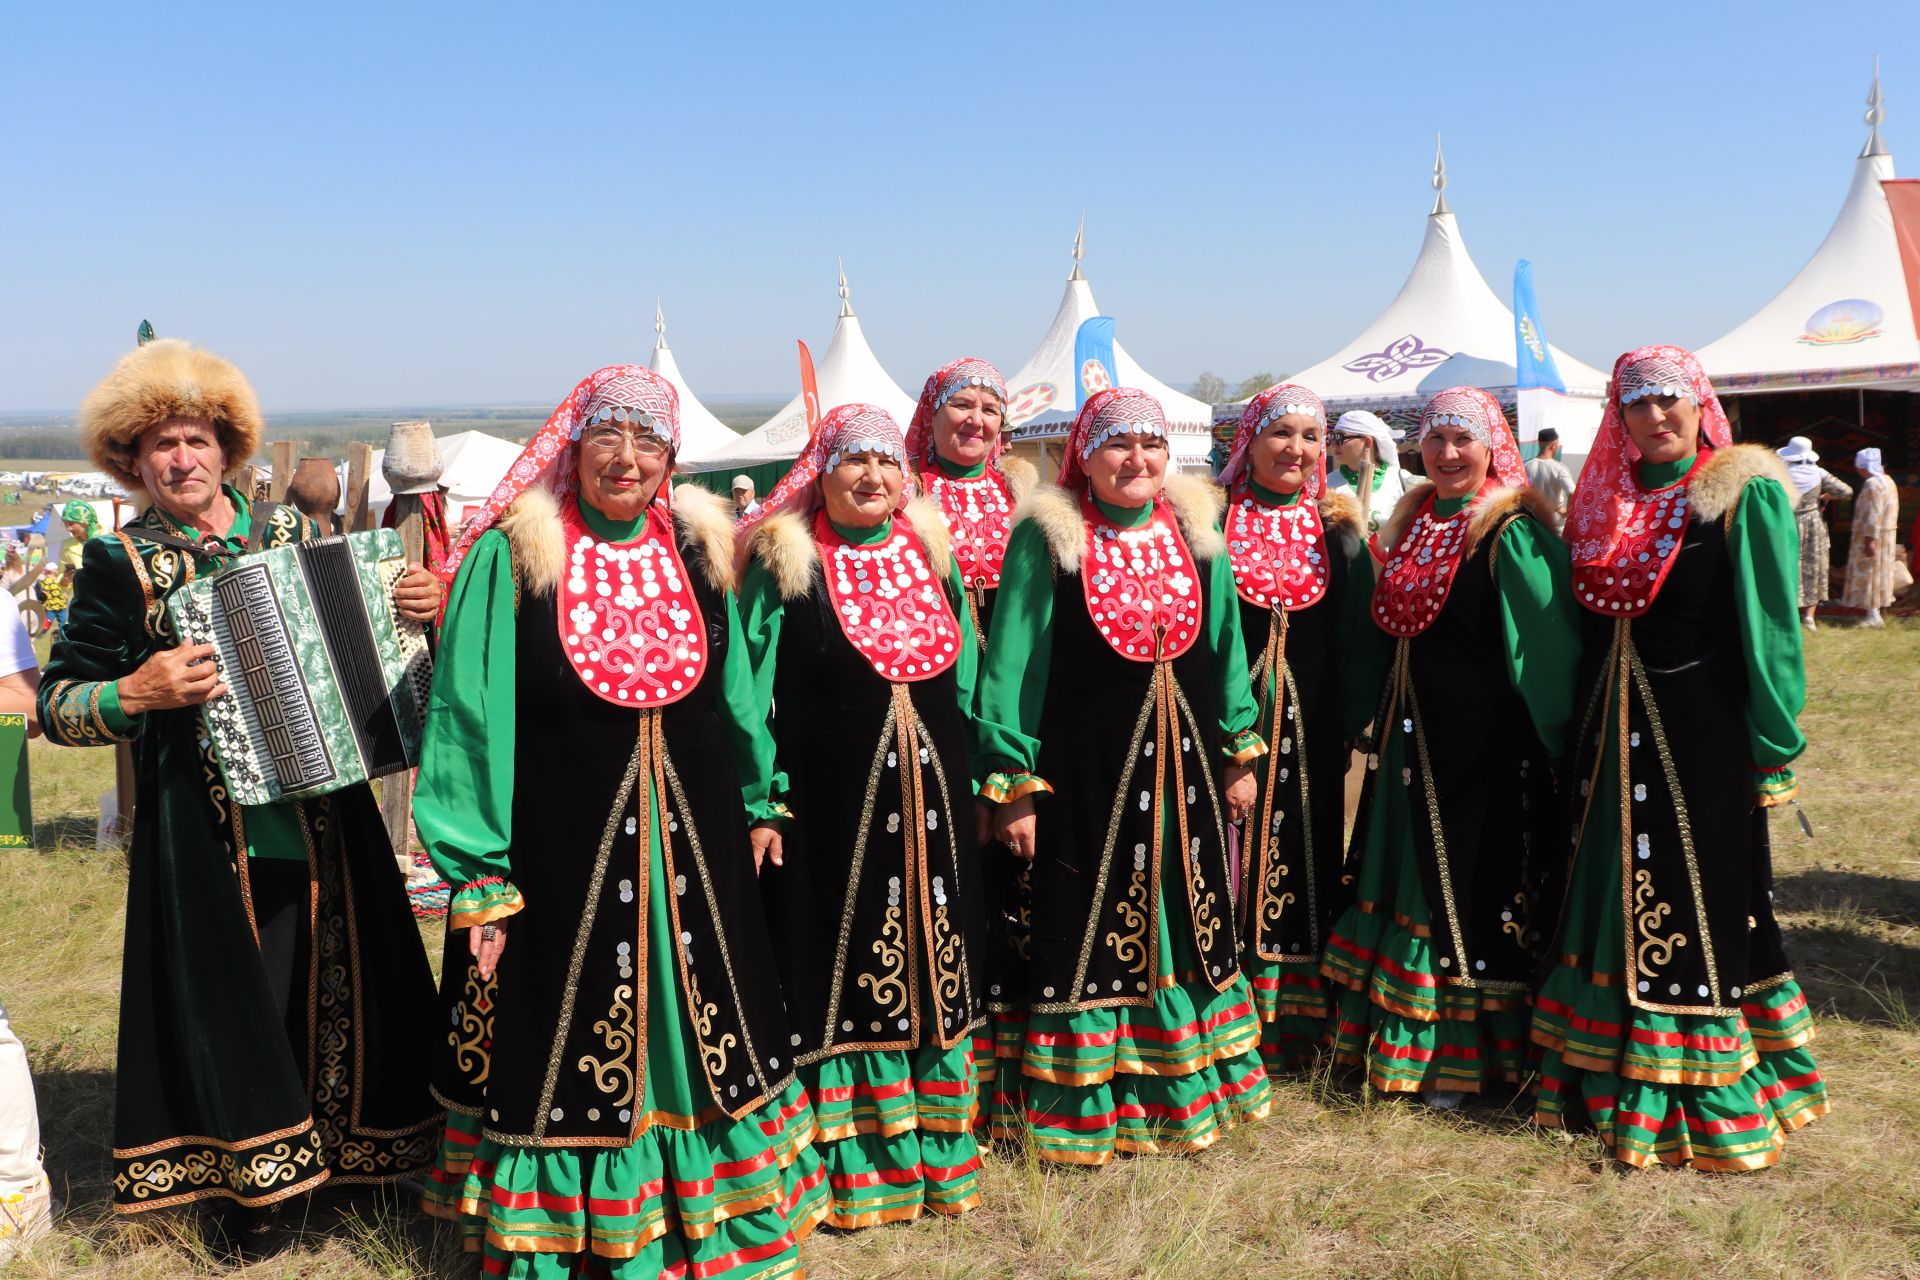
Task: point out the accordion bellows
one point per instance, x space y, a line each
326 684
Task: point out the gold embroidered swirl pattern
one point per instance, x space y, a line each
701 1011
1129 942
888 986
614 1075
472 1034
1653 950
1512 924
1022 939
946 957
1274 902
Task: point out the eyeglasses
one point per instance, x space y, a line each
609 439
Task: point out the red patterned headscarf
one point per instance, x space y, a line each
942 385
1262 412
619 393
1117 411
1480 414
846 429
1609 516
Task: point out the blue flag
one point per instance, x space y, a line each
1093 367
1533 358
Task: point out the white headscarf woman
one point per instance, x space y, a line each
1369 465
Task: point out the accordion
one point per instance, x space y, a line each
326 684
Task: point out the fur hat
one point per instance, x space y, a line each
167 378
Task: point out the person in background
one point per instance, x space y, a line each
743 503
1870 559
1814 487
1549 476
1369 467
26 1197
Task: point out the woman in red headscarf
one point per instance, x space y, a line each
864 656
958 446
1672 1023
617 1071
1297 554
1477 635
1116 696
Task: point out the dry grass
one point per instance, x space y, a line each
1335 1184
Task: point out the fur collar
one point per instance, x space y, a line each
532 527
1340 513
1021 476
1489 515
1197 504
1717 486
784 543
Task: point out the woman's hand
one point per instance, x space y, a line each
417 595
182 677
1240 791
766 844
485 942
1014 825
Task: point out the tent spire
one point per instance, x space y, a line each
659 326
1876 112
1439 179
1079 247
846 304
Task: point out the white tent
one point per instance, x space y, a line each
849 373
1447 328
472 463
1042 392
700 432
1846 319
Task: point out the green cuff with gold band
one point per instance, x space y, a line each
484 901
1774 787
1245 747
772 813
1006 786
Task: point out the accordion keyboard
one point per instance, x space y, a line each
259 654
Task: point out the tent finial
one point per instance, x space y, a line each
1439 179
659 325
1876 113
1079 247
846 303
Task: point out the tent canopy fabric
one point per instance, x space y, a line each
700 432
1846 319
1042 392
849 373
1447 328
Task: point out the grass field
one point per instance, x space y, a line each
1335 1184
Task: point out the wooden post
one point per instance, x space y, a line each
120 829
359 477
286 456
409 517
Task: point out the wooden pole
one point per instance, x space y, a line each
286 456
359 477
409 517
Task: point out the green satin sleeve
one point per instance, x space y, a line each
761 612
747 716
1013 686
966 667
1240 738
1763 544
1365 650
463 802
104 639
1540 625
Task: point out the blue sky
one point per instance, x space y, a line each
370 205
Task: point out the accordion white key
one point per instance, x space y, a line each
326 684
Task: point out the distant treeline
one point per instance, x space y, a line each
327 434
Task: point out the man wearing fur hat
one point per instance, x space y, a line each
275 1004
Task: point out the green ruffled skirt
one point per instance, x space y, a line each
1168 1077
1711 1093
896 1133
1394 1014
